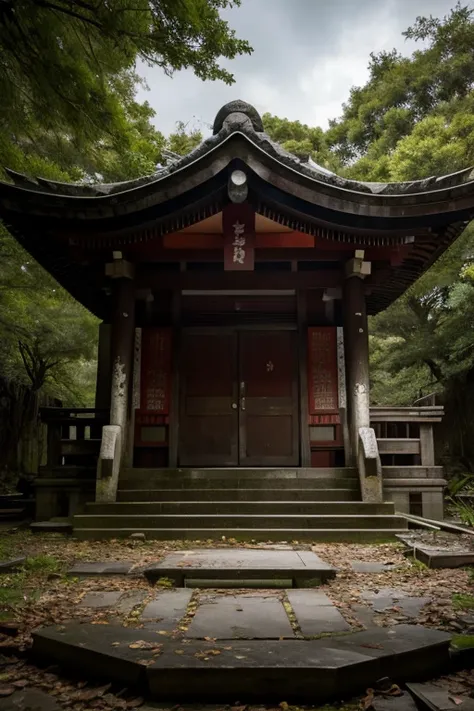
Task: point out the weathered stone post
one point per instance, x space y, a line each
122 341
356 349
114 436
364 449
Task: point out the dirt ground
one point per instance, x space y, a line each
42 593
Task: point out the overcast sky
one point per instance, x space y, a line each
307 55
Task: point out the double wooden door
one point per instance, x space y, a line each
239 399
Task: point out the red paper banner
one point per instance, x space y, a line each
155 380
238 225
322 370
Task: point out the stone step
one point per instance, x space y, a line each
213 566
256 508
138 477
235 482
246 521
228 494
239 473
299 671
266 535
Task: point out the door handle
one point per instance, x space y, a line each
242 395
234 406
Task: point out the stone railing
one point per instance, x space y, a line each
109 463
369 466
73 436
405 434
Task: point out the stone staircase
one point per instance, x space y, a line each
245 504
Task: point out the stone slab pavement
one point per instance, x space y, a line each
241 617
247 614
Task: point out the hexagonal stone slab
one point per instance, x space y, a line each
111 652
306 671
237 564
315 613
405 652
29 699
241 617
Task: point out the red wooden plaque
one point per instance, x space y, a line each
238 225
322 370
155 378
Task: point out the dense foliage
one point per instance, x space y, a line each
415 118
68 112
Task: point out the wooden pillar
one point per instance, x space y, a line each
301 302
173 431
104 369
122 343
356 348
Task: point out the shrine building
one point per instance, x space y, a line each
234 287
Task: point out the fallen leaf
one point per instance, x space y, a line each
7 690
367 701
141 644
179 651
371 646
115 644
135 703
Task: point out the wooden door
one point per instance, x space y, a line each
209 414
268 398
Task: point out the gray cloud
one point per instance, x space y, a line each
307 55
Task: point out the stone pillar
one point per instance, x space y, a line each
356 349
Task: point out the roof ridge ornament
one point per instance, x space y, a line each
237 107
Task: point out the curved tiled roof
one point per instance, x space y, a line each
238 116
428 213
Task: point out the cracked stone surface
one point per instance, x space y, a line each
167 609
98 600
315 613
241 617
387 598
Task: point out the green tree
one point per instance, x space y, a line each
68 79
301 140
181 141
403 91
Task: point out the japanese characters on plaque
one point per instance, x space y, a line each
155 370
238 225
322 369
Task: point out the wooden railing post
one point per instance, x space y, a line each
54 444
